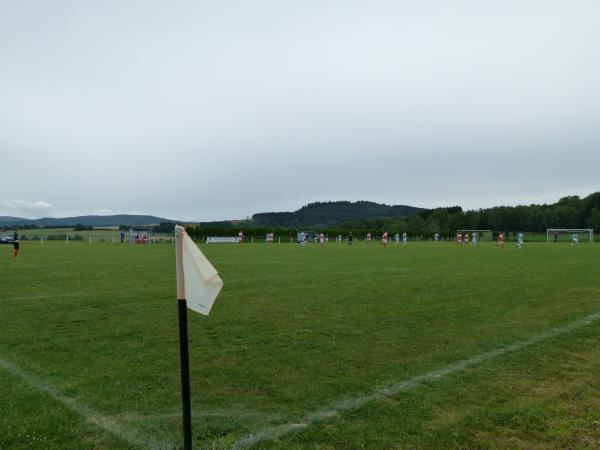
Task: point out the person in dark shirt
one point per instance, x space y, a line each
350 239
15 243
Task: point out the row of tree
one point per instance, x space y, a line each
327 214
568 212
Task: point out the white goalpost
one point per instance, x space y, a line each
572 235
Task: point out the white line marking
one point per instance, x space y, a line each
330 273
219 413
129 435
349 404
36 297
124 292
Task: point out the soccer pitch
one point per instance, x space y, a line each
417 346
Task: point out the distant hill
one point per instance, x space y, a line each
88 221
332 213
10 219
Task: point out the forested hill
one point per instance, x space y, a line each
88 221
331 213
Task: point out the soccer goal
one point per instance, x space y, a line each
572 235
482 235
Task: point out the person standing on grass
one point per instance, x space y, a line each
404 237
350 240
321 239
500 242
15 243
520 240
384 239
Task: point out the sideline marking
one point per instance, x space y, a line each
73 294
129 435
348 404
332 273
36 297
231 413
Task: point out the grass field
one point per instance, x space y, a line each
423 346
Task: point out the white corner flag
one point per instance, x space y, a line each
197 280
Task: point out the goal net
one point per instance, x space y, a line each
482 235
572 235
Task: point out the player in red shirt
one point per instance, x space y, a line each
500 242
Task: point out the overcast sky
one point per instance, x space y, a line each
212 110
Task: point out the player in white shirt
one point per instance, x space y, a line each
321 239
520 240
574 239
459 238
474 239
369 238
404 237
436 237
384 239
241 236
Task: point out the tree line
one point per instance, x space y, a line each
568 212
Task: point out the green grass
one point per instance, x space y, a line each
294 331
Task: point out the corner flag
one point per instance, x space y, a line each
197 282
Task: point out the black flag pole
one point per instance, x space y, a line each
185 375
183 345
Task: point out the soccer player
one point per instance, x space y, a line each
321 239
369 237
15 243
574 239
350 240
500 241
436 237
520 240
241 236
474 239
459 238
404 237
466 238
384 239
